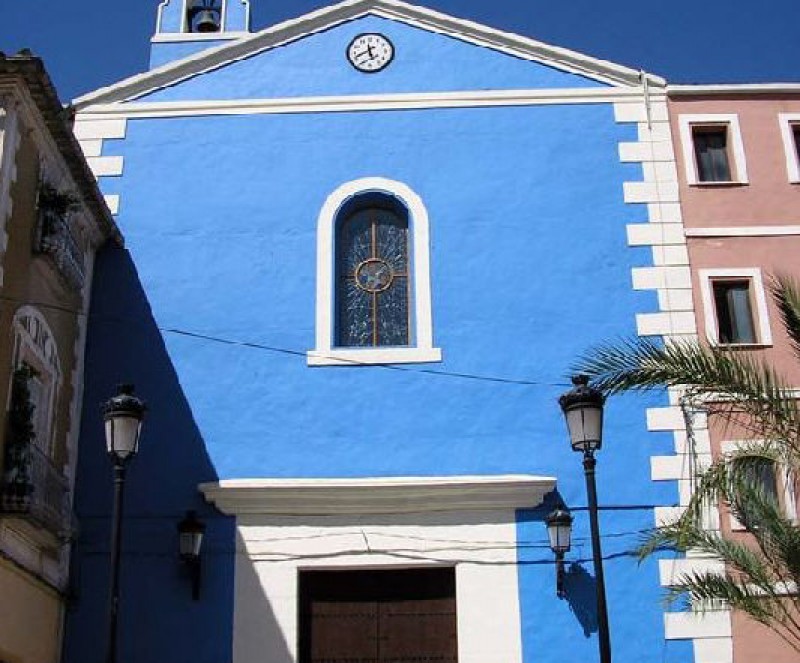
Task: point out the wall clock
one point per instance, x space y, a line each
370 52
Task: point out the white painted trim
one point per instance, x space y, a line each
328 17
353 103
310 497
112 200
736 145
675 320
160 14
713 650
480 546
744 231
39 350
92 128
682 625
758 295
422 323
786 122
370 356
175 37
670 570
105 166
724 89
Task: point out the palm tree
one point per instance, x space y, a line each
761 572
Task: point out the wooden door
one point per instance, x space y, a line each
395 616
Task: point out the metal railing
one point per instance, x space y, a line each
57 241
33 487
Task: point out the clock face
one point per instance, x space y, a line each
370 52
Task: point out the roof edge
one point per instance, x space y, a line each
58 121
327 17
733 88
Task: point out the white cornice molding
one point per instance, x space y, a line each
173 37
743 231
738 88
328 17
306 497
353 103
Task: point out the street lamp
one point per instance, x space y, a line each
583 411
123 414
559 529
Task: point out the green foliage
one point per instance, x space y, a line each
57 202
760 574
20 435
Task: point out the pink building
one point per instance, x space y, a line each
737 153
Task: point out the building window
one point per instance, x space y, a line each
733 312
373 277
796 136
790 132
381 616
735 307
35 352
772 480
372 289
713 151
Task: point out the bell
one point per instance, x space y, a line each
207 21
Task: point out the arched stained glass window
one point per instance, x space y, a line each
372 276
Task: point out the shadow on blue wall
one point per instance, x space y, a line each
581 593
159 621
580 587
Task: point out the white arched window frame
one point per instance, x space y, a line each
35 347
421 349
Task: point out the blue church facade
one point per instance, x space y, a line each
351 298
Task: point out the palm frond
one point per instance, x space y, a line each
786 294
736 382
710 591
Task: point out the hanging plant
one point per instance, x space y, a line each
57 202
21 433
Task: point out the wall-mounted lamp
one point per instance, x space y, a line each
190 539
559 529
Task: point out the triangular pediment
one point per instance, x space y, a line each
448 54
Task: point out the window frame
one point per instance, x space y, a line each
40 353
758 304
789 122
421 349
787 498
376 213
735 147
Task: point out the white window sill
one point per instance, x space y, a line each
370 356
723 185
742 346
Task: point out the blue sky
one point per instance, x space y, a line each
87 44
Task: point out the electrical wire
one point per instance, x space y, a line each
286 351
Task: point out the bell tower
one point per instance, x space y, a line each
184 27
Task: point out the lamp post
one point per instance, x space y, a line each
123 414
583 411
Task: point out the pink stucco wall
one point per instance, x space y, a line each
769 199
